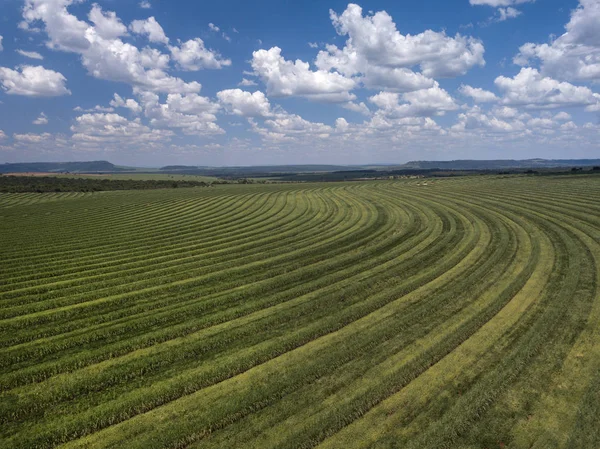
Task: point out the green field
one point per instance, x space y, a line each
452 313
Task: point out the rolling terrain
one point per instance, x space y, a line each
456 312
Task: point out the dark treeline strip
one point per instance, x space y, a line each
43 184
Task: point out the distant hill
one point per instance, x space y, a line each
279 170
234 171
499 164
178 167
60 167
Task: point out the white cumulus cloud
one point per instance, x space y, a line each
33 81
150 28
477 94
529 88
113 131
244 103
193 55
420 103
382 57
480 121
103 53
129 103
574 56
106 24
190 112
562 116
361 107
295 78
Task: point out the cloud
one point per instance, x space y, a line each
190 113
65 31
107 24
285 78
420 103
41 120
361 108
102 54
2 135
504 125
488 122
150 28
385 100
504 9
292 125
568 126
192 55
39 144
32 138
477 94
529 88
507 13
247 82
216 29
390 130
164 111
113 131
30 54
145 4
574 56
594 107
274 125
497 3
1 47
33 81
243 103
540 122
562 116
97 108
505 112
381 57
382 131
25 26
341 124
129 103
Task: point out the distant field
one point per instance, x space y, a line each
451 313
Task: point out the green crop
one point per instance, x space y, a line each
453 313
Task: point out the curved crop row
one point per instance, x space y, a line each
448 313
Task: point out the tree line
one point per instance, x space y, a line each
22 184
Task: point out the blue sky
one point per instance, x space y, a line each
159 82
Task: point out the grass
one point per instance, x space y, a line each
464 313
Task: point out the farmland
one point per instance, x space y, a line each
456 312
